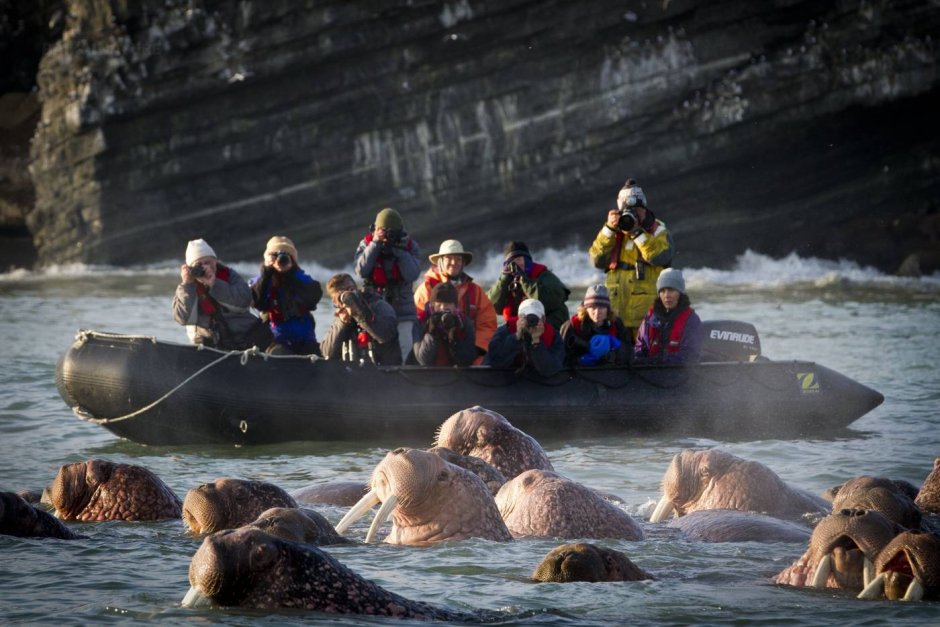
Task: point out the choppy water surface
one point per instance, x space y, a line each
879 330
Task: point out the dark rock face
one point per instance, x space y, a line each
801 126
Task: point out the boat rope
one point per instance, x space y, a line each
244 355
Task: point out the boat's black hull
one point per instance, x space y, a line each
276 400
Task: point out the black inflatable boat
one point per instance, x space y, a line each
156 392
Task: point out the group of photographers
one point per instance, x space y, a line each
641 313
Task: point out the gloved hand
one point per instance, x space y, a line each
600 347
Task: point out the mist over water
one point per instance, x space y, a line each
881 330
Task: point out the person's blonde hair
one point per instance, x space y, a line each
338 283
583 315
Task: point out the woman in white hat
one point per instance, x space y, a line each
212 301
448 266
671 332
595 336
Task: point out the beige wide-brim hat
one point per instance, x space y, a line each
452 247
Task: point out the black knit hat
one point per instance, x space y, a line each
444 292
514 249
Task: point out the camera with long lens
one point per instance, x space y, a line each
628 219
448 320
282 259
349 298
197 270
531 321
394 236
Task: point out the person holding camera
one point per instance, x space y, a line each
527 341
522 278
364 326
446 336
212 301
286 296
595 336
387 261
448 266
632 247
671 332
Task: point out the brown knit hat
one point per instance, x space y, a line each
444 292
514 249
596 296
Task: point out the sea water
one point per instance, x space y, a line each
882 331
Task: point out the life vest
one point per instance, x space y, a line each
280 308
467 302
385 273
653 229
676 329
548 336
511 307
207 304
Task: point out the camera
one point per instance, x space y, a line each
197 270
282 259
448 320
628 219
531 320
349 298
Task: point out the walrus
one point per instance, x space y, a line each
928 498
97 490
429 500
587 562
341 493
249 568
298 524
730 525
227 503
841 551
488 435
19 518
713 479
907 569
493 478
892 498
541 503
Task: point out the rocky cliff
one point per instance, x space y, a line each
777 126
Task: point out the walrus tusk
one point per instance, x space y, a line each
380 517
663 510
357 511
915 591
874 590
822 572
195 599
868 571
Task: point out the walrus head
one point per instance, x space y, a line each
907 569
227 503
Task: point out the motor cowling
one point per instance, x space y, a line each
730 340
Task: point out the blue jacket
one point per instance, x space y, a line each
287 301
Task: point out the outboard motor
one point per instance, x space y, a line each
730 340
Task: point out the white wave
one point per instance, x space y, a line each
573 267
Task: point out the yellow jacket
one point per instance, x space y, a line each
630 295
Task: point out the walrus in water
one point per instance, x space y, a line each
249 568
19 518
907 569
587 562
227 503
298 524
97 490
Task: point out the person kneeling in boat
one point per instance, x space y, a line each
448 266
671 332
445 337
365 325
212 301
595 336
528 341
286 297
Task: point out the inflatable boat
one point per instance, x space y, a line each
161 393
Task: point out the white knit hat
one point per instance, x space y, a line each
197 249
531 306
673 278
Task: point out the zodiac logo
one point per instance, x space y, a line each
808 382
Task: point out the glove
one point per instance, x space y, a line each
600 347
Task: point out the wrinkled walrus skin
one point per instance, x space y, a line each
714 479
298 524
482 433
587 562
911 555
19 518
729 525
249 568
97 490
928 499
892 498
541 503
227 503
